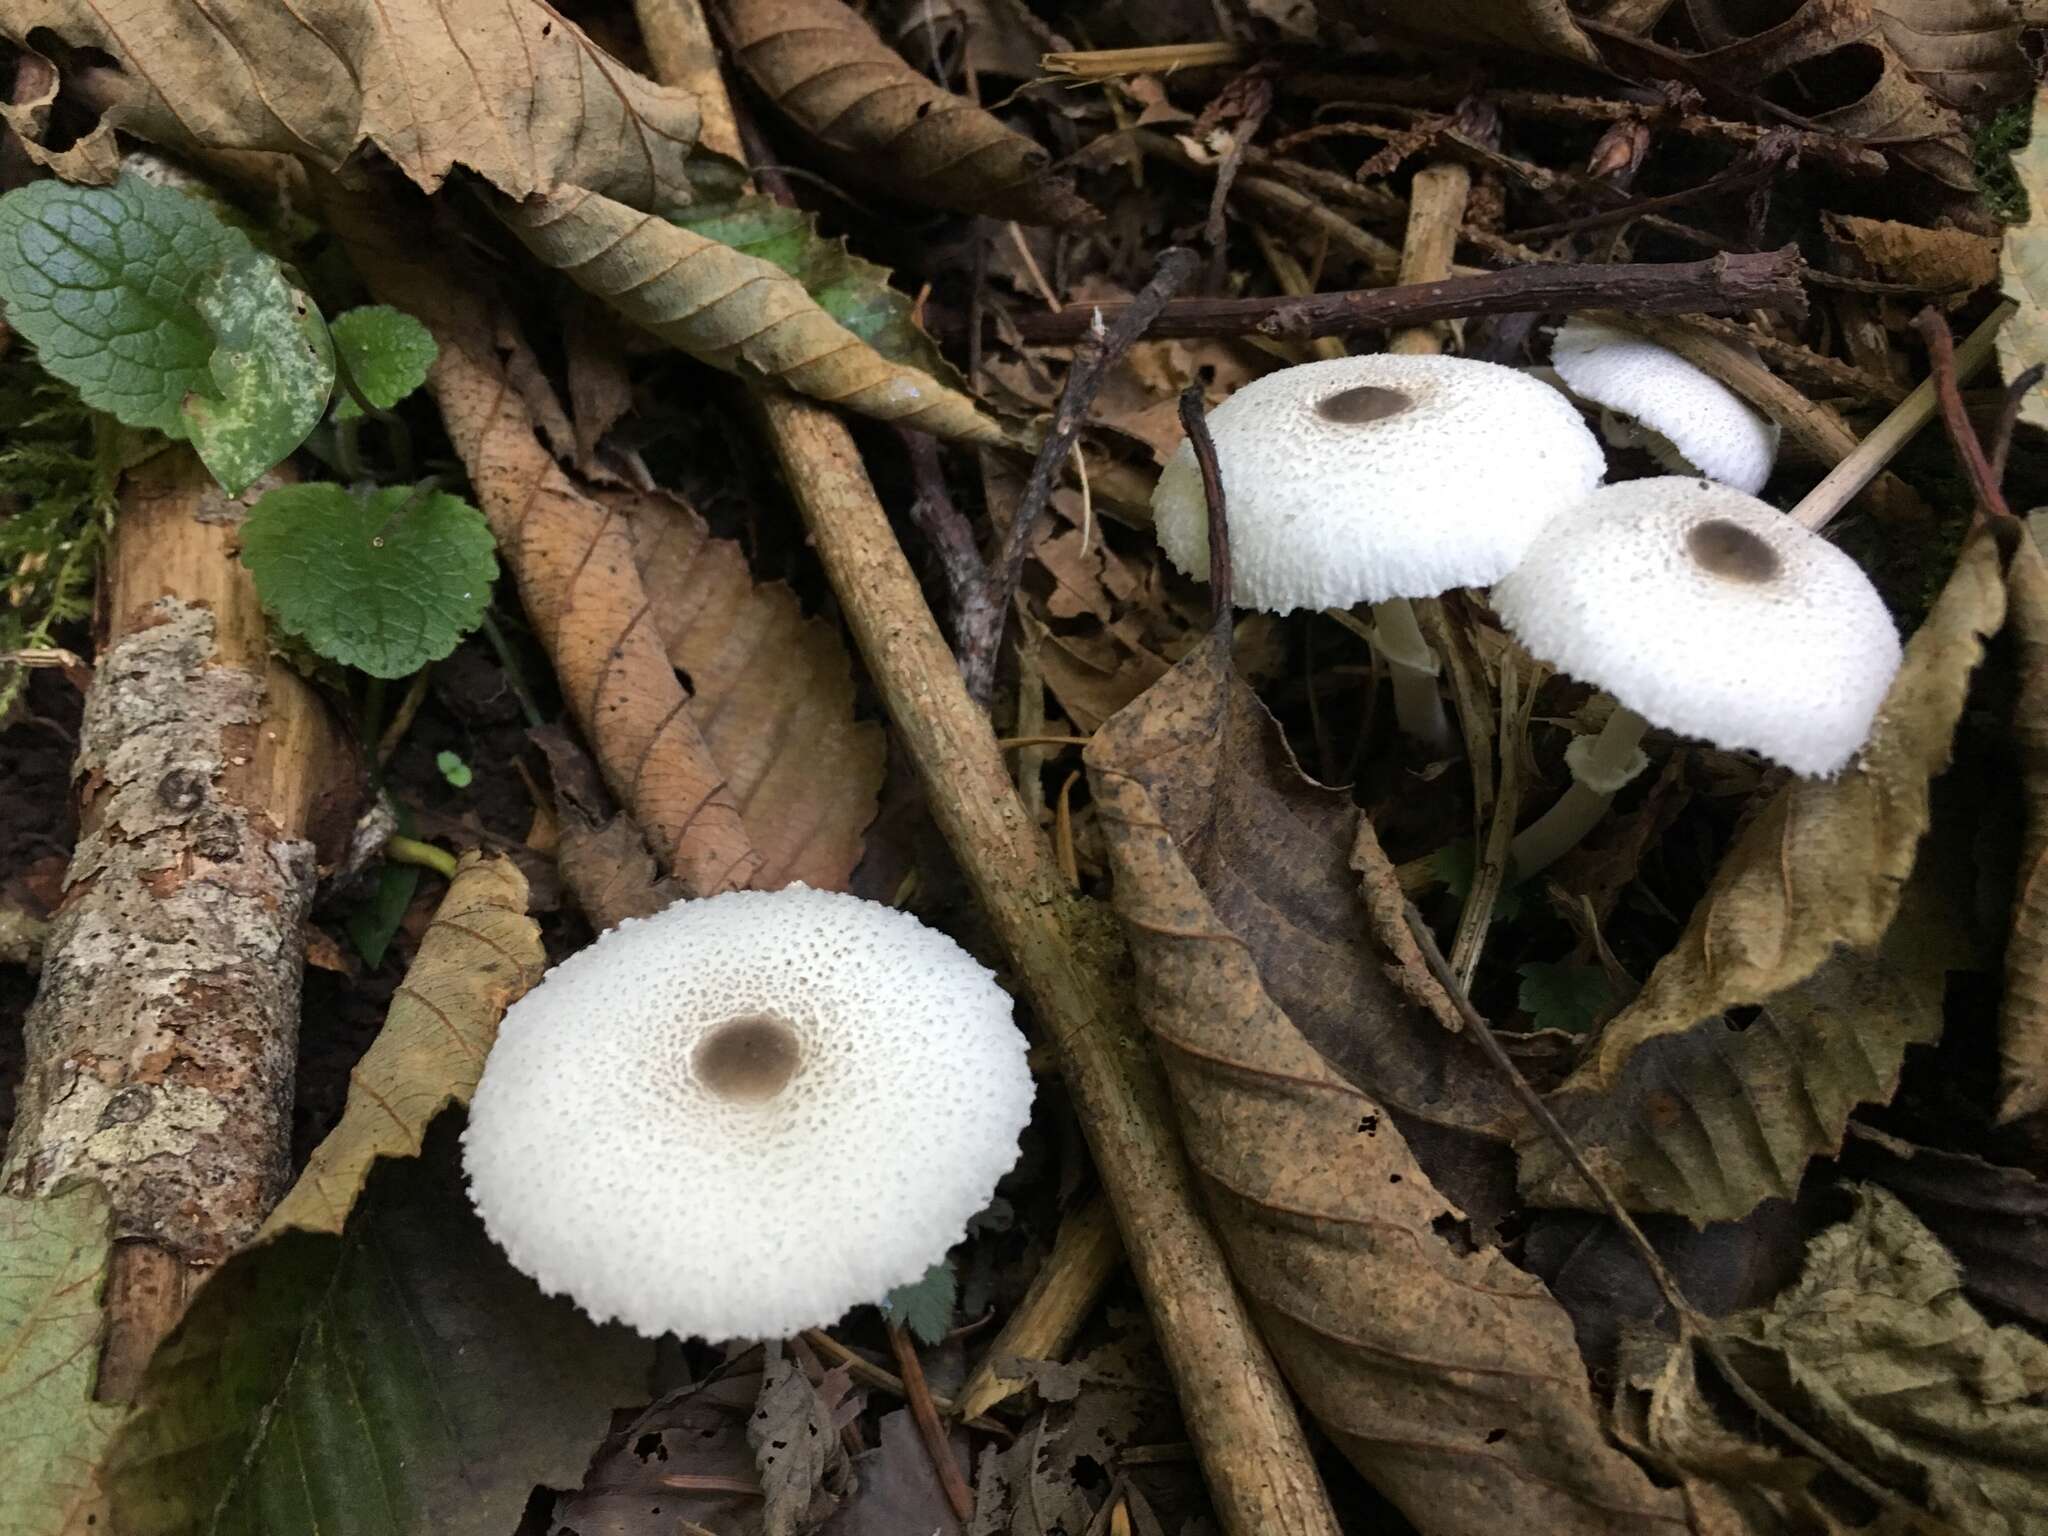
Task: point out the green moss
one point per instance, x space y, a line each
59 465
1992 147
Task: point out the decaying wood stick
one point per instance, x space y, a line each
1067 953
162 1040
1741 281
1436 211
1084 1257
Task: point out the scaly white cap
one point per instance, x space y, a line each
742 1116
1712 614
1702 423
1366 478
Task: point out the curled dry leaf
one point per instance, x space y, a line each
2023 1016
1938 261
771 690
572 556
511 89
1825 862
479 954
2023 340
884 124
1877 1352
733 311
1448 1376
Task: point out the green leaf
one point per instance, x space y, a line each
854 292
272 364
385 582
386 352
924 1306
157 312
1454 865
453 769
53 1264
401 1377
372 925
1560 996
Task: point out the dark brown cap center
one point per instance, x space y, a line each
1731 551
747 1060
1367 402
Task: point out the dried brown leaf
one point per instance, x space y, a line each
480 953
2023 1016
733 311
601 855
1448 1376
1934 260
2023 339
797 1451
772 691
1965 51
1824 863
1876 1351
885 125
510 89
683 1464
1538 26
572 557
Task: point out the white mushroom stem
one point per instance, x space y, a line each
1600 766
1413 666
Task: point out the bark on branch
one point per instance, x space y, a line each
163 1036
1725 283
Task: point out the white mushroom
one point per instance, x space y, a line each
1706 612
1689 420
744 1115
1377 480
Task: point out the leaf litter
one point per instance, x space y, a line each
1386 1203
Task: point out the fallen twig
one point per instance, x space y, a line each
950 535
1948 391
1764 280
958 1495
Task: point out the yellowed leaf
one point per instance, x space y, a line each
882 123
2023 1017
1825 861
771 690
480 953
2023 340
511 89
733 311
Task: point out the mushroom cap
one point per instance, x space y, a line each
1713 429
1445 492
606 1163
1712 614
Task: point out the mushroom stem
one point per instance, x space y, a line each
1600 766
1413 666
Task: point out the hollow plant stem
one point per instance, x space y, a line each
1609 761
1412 665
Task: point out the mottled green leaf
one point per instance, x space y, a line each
272 370
385 582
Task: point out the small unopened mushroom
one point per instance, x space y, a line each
744 1115
1706 612
1688 420
1378 480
